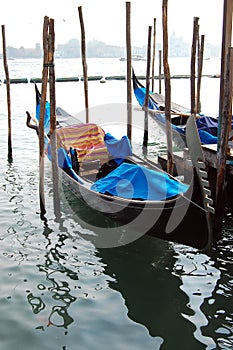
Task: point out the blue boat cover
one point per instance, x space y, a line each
208 124
134 181
119 149
206 138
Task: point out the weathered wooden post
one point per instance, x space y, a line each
153 55
199 73
8 93
226 43
42 113
160 71
84 63
223 145
193 66
225 98
170 158
53 134
146 102
129 70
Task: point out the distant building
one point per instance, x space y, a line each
24 53
68 50
177 48
99 49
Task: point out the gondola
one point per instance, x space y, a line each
104 173
207 126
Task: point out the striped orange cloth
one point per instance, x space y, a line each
87 139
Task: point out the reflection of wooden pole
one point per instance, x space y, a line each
146 102
200 65
226 43
84 63
53 135
153 55
193 66
170 160
42 113
222 152
129 70
8 93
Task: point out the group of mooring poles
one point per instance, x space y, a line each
48 75
225 104
170 157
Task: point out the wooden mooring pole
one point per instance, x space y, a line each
170 158
146 102
160 71
8 93
193 66
199 72
226 43
129 70
223 146
153 55
53 134
42 113
84 62
225 114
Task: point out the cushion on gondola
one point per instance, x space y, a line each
87 139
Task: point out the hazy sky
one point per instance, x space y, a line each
104 20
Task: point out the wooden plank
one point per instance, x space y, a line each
160 100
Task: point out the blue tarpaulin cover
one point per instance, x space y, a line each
206 138
208 124
119 149
134 181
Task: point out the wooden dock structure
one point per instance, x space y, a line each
183 167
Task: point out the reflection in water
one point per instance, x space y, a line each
219 305
183 298
58 287
164 289
199 278
142 273
36 303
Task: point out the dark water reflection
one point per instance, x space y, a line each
180 295
55 274
143 275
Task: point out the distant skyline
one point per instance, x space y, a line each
104 20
